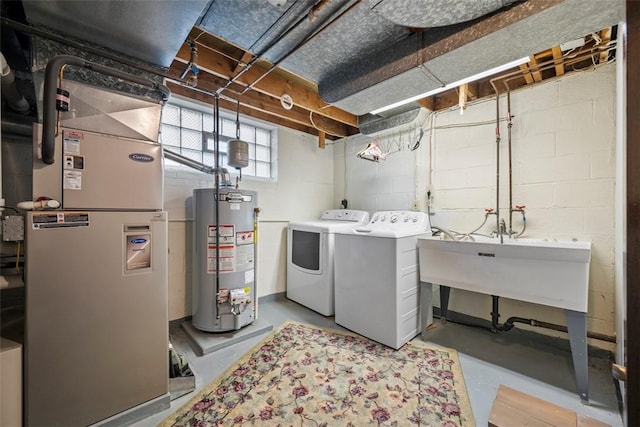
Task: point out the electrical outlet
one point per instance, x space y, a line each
415 205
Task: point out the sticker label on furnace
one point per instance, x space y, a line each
72 180
71 141
60 220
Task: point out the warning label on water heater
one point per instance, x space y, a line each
226 249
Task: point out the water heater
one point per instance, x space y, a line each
224 237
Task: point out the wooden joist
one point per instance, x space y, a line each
274 84
557 59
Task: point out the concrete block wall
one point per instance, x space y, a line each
377 186
303 190
563 156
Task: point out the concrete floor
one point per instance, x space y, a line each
529 362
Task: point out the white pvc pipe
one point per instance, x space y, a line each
37 205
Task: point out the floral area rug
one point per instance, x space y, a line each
303 375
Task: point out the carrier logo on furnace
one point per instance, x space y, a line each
138 252
140 157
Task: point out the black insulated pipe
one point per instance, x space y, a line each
508 325
52 71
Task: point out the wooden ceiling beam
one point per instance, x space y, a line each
246 57
427 103
528 78
605 35
557 59
274 84
232 106
268 105
533 65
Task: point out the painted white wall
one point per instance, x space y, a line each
563 142
304 189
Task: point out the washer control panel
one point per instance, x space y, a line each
400 220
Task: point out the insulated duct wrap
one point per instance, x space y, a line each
370 124
428 60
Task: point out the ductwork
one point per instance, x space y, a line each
52 72
10 92
434 13
370 124
149 30
431 59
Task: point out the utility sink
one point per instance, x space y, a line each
553 273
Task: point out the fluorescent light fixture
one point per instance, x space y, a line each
454 84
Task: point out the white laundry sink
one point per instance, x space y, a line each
553 273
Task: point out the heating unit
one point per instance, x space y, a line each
96 337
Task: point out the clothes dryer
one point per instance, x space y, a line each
310 273
377 287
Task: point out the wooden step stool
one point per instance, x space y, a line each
513 408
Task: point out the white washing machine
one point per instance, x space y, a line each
377 277
310 244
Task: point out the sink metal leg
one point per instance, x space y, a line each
426 307
444 302
577 327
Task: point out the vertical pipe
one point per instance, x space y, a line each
620 202
498 164
509 125
256 212
216 174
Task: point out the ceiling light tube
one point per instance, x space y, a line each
454 84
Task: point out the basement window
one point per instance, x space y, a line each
187 129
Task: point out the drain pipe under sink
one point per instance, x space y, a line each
509 324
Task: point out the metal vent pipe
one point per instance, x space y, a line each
52 71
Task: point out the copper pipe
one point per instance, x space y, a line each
561 328
512 76
497 162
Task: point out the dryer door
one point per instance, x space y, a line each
306 250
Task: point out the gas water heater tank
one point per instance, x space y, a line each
224 252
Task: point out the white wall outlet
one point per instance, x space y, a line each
415 205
